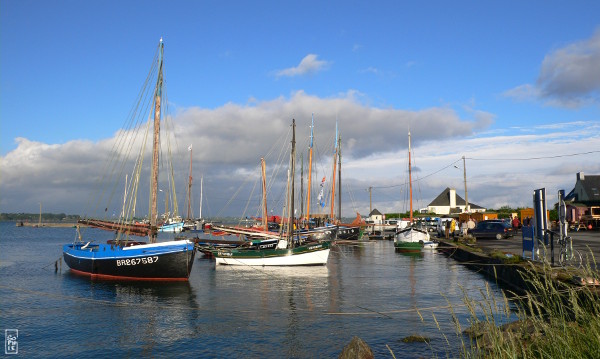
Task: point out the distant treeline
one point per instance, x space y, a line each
35 217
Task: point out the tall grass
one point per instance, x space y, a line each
556 318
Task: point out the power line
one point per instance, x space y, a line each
532 158
421 178
490 159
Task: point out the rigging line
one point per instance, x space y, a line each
233 196
417 180
279 165
352 197
533 158
421 178
248 202
119 144
170 133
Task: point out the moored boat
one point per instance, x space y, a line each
164 261
411 238
122 258
312 253
290 248
172 225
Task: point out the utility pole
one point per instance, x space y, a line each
370 203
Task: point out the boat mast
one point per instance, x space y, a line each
310 155
302 189
201 184
189 211
155 146
264 194
410 180
339 178
335 154
290 233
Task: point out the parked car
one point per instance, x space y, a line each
428 223
497 229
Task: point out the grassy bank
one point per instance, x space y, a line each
558 318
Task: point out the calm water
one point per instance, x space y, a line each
365 290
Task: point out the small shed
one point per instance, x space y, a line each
526 212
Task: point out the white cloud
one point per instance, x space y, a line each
526 92
569 76
229 141
309 65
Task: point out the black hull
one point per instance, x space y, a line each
320 234
348 233
170 266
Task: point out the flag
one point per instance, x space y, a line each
190 148
320 197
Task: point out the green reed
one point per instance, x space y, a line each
556 318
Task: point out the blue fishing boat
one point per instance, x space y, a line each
154 261
123 258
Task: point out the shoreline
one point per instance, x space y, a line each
49 224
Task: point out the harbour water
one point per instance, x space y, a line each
366 290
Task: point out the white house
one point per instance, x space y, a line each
449 202
375 217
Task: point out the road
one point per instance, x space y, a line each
585 241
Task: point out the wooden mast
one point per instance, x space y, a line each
339 178
290 233
201 192
410 180
335 154
263 166
155 147
189 211
310 155
301 217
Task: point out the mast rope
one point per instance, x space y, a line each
122 146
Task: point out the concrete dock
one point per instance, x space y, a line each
483 257
585 242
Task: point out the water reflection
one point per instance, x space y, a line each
275 272
150 313
366 290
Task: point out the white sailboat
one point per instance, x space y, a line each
290 248
411 238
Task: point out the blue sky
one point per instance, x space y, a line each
487 72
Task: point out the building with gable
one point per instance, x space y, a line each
583 202
375 217
448 202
